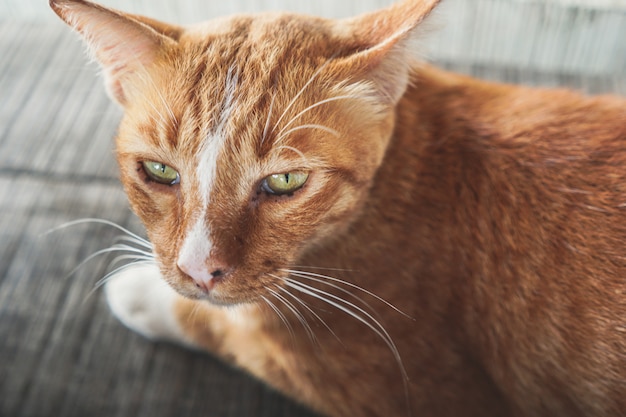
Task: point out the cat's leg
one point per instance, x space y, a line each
143 302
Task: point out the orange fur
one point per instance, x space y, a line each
493 215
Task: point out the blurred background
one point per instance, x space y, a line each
551 35
61 352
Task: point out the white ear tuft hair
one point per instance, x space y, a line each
387 44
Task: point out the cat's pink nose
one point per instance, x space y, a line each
205 276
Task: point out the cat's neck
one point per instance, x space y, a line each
470 168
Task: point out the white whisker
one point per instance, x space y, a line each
296 151
308 126
310 275
377 328
280 315
114 248
323 268
310 310
133 258
128 248
295 98
312 106
110 275
194 312
139 254
343 290
140 242
296 313
366 318
97 221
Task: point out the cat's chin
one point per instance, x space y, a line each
213 298
222 302
221 295
231 302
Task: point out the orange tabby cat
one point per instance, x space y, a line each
370 236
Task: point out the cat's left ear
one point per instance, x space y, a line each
386 45
125 45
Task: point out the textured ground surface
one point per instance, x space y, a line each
61 352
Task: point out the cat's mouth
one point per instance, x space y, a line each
229 288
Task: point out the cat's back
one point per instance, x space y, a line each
558 146
532 186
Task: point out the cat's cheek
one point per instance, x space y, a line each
288 234
158 211
151 207
337 214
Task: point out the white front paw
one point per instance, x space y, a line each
143 302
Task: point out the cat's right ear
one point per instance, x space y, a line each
125 45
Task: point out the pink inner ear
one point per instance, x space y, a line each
389 37
122 45
394 22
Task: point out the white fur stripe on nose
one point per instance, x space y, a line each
192 258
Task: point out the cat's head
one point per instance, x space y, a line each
245 141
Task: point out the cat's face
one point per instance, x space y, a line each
245 141
274 152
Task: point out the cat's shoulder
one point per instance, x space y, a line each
514 111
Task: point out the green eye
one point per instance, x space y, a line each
280 184
161 173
